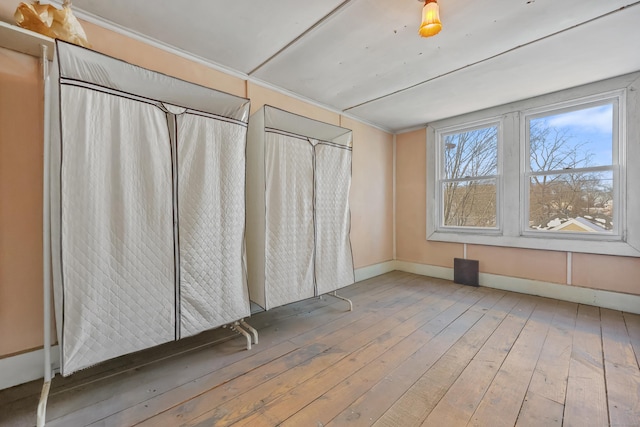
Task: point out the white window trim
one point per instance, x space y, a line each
618 97
492 121
511 176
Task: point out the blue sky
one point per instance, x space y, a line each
592 125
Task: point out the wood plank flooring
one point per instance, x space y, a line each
415 351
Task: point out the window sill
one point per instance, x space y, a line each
602 247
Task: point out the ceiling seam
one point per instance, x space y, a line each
493 56
302 35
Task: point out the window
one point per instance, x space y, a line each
570 172
469 177
545 173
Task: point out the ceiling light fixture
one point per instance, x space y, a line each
431 24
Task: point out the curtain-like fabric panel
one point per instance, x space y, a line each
333 261
211 203
116 292
289 240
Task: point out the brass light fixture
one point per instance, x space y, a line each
431 24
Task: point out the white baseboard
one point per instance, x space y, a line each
605 299
425 270
370 271
25 367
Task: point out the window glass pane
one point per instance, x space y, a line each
471 153
469 203
577 202
577 139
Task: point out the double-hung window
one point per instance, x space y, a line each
469 177
571 171
546 173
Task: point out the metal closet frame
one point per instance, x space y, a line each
28 42
18 39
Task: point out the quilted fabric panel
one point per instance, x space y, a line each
211 203
289 240
117 228
334 262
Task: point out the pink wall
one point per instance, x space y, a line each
144 55
611 273
371 194
618 274
260 96
20 203
411 205
546 266
21 172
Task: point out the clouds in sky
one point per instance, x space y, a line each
592 128
595 119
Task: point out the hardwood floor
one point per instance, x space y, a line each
415 351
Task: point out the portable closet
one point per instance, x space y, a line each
298 218
147 207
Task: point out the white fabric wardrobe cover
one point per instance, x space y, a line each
333 249
298 218
211 180
289 240
147 175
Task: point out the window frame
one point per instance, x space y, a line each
617 100
440 173
513 155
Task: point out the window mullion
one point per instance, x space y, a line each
510 178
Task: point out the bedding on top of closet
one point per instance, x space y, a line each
147 185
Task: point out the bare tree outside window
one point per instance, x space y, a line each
571 172
469 185
549 173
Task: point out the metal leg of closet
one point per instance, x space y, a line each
235 327
250 329
335 295
46 248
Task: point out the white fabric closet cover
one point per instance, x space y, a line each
115 292
298 218
289 240
84 65
275 118
112 192
211 179
333 218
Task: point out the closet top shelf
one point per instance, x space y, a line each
25 41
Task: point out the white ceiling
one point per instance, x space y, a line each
364 57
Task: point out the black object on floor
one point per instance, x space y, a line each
465 271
